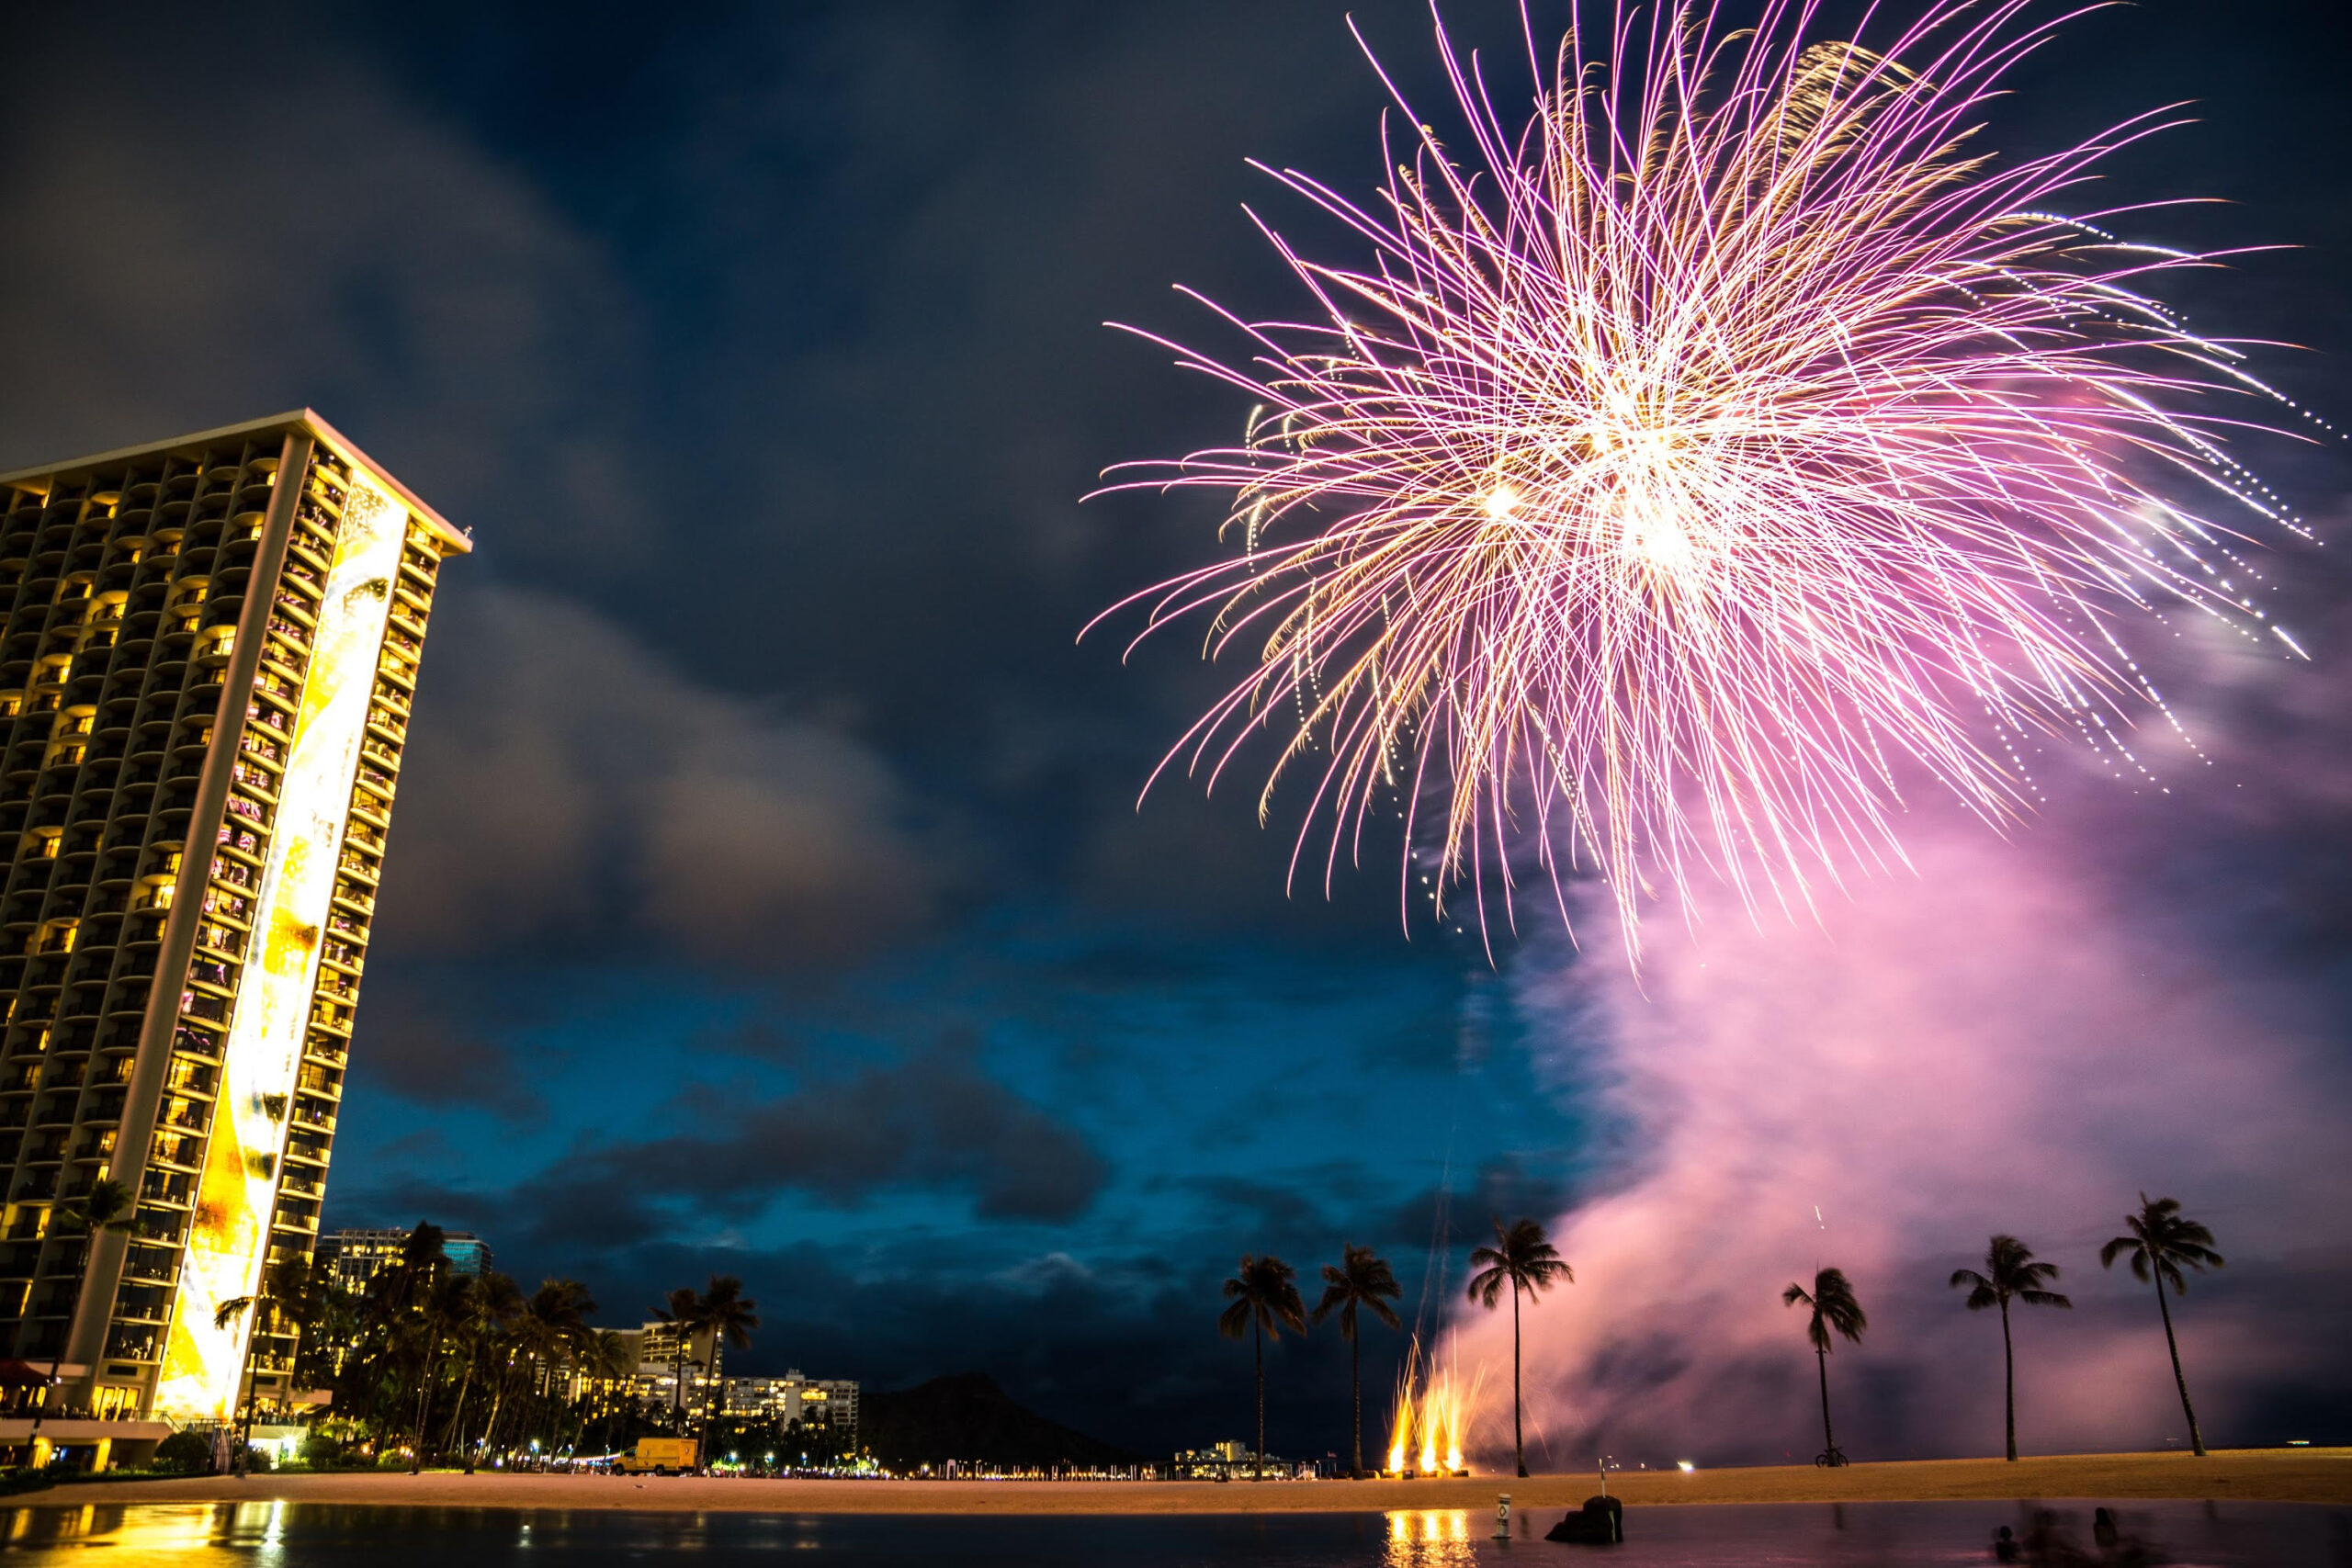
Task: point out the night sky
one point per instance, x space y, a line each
768 894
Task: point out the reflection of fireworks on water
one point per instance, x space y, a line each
1446 1529
1428 1425
1691 464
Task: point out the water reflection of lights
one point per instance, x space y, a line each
161 1528
1430 1538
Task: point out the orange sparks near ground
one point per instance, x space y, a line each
1429 1423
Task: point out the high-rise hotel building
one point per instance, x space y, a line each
206 673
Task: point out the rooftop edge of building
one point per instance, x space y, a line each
40 475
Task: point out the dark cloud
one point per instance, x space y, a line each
934 1119
203 262
440 1057
574 785
562 1221
1504 1188
1267 1212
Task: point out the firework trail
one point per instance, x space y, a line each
1689 469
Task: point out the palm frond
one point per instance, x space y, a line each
1985 1292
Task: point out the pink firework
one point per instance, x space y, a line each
1684 474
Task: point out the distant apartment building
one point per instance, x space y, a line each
208 652
1230 1461
662 1382
812 1402
353 1257
658 1344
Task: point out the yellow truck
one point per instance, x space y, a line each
663 1456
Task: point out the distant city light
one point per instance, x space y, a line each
1685 1466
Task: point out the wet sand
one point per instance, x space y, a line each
2281 1475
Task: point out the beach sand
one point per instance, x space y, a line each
2286 1475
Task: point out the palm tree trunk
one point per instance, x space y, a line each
554 1428
1355 1384
1258 1339
718 1401
457 1420
1517 1431
423 1401
40 1411
497 1405
1828 1439
2196 1440
240 1453
2009 1380
253 1397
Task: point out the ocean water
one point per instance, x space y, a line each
1868 1535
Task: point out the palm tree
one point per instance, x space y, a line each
682 1309
445 1311
1361 1279
388 1316
405 1282
555 1328
1525 1260
2010 1273
491 1309
109 1206
1833 1307
2160 1244
332 1325
1264 1292
606 1359
284 1297
728 1316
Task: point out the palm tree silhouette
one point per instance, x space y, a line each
551 1330
286 1293
1264 1292
681 1309
492 1309
1361 1279
442 1314
2010 1274
730 1317
1526 1260
108 1206
1833 1307
606 1359
2162 1243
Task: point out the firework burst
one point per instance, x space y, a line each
1697 464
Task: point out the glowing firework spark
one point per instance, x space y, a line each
1429 1421
1688 468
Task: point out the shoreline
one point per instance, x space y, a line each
2271 1475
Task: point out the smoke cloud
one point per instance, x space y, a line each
2006 1041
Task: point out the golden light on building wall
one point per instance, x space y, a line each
228 1231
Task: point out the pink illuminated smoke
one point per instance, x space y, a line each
2004 1043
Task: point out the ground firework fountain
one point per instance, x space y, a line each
1429 1426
